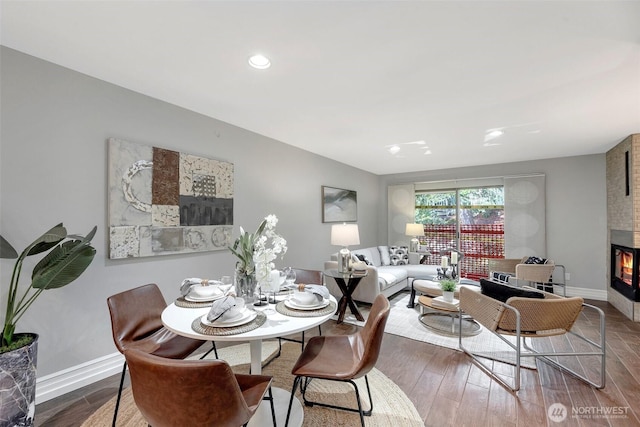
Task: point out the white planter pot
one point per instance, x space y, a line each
447 296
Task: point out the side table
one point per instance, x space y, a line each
446 321
347 282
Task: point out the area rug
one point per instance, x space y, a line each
403 321
391 407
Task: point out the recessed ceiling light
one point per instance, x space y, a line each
394 149
260 62
494 133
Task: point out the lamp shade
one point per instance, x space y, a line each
345 235
414 230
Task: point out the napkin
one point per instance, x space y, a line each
219 307
188 283
318 290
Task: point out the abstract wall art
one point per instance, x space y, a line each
339 205
164 202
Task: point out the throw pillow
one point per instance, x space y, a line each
384 255
535 260
399 255
363 259
500 277
502 292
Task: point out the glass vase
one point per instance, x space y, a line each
246 285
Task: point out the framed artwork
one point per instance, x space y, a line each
339 205
163 202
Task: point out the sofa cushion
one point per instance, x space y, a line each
420 271
389 275
502 292
385 258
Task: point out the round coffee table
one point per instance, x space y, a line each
445 321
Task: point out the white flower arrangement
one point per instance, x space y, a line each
256 252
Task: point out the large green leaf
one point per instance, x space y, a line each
48 240
6 250
64 264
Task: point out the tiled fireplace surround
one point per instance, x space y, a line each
623 211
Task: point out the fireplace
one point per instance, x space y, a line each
625 264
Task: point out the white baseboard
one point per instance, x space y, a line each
70 379
587 293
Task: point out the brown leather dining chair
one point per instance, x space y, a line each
135 323
343 358
200 393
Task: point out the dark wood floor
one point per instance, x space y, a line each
448 389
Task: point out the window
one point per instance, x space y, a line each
468 219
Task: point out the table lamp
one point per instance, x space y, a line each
344 235
414 230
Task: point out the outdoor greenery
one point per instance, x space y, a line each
477 206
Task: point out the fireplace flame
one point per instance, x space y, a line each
626 267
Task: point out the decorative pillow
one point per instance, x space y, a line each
535 260
504 292
399 255
384 255
500 277
363 259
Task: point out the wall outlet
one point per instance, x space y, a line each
567 276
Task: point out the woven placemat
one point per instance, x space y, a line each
182 302
200 328
283 309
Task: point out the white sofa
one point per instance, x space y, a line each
389 273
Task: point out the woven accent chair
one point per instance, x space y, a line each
343 358
135 323
526 318
201 393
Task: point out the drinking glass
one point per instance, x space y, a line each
290 279
227 283
274 284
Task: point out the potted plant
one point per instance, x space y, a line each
67 257
448 287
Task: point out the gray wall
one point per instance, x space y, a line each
54 127
576 214
53 167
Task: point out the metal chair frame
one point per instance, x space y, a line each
298 381
521 344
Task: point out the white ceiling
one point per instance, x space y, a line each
351 78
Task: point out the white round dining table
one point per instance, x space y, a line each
179 319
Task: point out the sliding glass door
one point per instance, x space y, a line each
468 219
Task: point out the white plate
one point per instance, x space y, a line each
247 316
197 298
292 304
